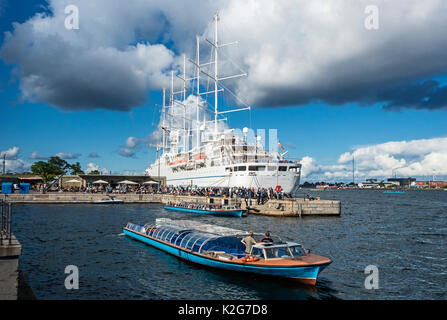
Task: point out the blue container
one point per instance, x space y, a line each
24 188
7 187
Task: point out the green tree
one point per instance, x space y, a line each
54 167
76 168
94 172
45 170
59 163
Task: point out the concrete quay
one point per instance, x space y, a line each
273 207
9 268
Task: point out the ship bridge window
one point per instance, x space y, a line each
242 168
282 168
256 168
270 168
229 169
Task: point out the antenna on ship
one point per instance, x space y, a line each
163 119
184 99
216 80
198 95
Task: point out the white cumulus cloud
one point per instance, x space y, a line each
416 158
295 52
12 163
92 167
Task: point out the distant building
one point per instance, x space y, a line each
430 184
403 182
372 183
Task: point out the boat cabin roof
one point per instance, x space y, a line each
201 227
275 245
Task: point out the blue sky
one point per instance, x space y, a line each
321 131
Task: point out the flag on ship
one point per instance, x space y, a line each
279 145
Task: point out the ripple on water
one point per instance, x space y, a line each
404 235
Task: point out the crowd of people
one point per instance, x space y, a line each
250 195
119 189
261 195
195 205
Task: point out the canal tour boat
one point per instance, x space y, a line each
206 208
220 247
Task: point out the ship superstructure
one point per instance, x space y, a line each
198 148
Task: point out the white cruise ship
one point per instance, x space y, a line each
198 148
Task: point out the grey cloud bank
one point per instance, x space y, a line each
295 52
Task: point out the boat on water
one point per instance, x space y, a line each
220 247
206 208
108 201
197 147
398 192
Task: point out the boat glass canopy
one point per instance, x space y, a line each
191 239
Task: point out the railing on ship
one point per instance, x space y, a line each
6 222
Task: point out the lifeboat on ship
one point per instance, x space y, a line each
177 162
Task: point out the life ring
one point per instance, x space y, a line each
278 188
252 259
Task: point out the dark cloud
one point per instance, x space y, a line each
67 156
36 156
431 95
293 54
94 155
127 153
108 62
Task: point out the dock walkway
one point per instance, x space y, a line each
285 207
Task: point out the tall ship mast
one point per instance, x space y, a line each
198 148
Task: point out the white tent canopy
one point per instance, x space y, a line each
127 182
100 182
150 182
72 181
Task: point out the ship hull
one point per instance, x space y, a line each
219 177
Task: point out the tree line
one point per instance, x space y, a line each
54 167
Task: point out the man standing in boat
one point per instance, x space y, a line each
267 238
248 241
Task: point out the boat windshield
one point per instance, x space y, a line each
297 251
277 252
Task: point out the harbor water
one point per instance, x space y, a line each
403 235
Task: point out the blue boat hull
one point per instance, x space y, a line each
236 213
306 274
398 192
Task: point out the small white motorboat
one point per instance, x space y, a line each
108 201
